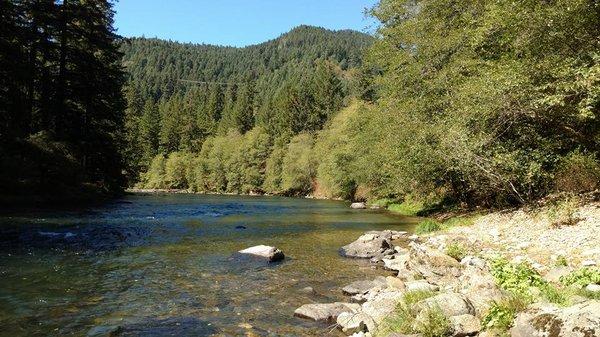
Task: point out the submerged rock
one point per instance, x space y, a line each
362 287
580 320
272 254
325 312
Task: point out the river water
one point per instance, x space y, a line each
162 265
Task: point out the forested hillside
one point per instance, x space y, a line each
180 94
61 103
475 103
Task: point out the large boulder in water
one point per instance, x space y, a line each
369 245
269 253
325 312
358 205
539 320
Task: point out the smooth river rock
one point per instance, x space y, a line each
272 254
325 312
362 287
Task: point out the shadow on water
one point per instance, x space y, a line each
150 264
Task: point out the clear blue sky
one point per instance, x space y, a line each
235 22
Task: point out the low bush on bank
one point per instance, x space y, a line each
427 226
501 314
431 323
456 251
582 277
408 207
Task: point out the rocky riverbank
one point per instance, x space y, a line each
519 273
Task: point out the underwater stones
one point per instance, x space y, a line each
362 287
272 254
325 312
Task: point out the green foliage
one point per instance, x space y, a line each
408 207
61 77
403 318
582 277
297 168
516 278
578 172
155 176
561 261
481 101
431 322
176 170
427 226
501 314
562 212
456 251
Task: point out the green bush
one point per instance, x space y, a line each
501 314
177 169
155 176
516 278
427 226
456 251
403 318
407 207
298 166
582 277
577 173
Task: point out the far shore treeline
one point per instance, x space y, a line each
478 103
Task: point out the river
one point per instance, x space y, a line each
161 265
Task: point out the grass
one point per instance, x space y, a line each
501 314
409 208
427 226
456 251
404 318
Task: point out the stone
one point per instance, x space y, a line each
325 312
104 331
362 287
272 254
307 290
593 288
420 285
588 263
539 320
352 322
394 282
432 263
465 325
381 306
368 245
553 275
473 261
480 288
397 263
358 205
451 304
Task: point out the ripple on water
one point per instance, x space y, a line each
149 265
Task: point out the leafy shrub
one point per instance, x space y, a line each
501 314
176 170
516 278
456 250
561 261
155 176
297 170
578 172
582 277
427 226
562 213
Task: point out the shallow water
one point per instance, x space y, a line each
160 265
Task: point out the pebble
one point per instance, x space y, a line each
588 263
